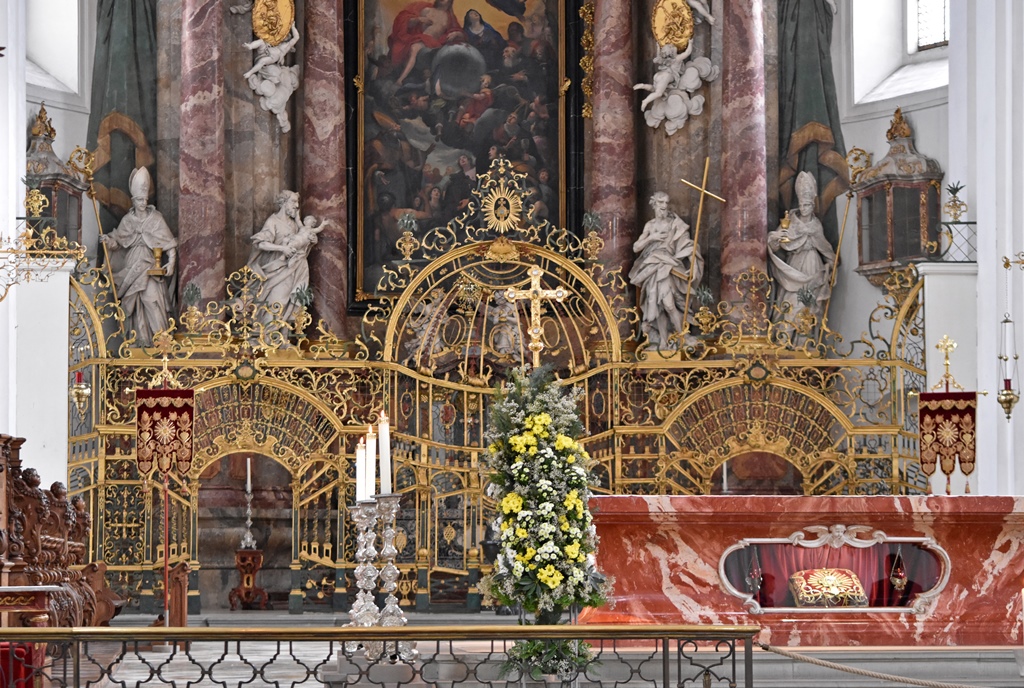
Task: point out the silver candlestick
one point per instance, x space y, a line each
392 614
364 612
248 541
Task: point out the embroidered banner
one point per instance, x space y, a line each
164 429
947 432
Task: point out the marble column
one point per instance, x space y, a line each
201 203
744 143
168 110
613 148
324 192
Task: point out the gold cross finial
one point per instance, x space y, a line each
535 294
946 346
703 189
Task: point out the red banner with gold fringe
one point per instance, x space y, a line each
946 423
164 429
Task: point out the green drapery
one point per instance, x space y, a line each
810 135
122 121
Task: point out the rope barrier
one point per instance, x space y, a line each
860 672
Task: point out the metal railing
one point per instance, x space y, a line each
450 656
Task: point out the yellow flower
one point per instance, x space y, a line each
571 459
530 551
563 442
521 533
512 503
532 567
505 525
571 499
572 551
550 576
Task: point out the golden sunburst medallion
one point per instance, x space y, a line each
272 20
672 22
501 208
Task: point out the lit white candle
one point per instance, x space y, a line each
248 474
384 430
371 460
361 470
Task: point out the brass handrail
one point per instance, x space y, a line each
341 633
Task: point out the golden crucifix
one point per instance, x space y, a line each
535 294
703 189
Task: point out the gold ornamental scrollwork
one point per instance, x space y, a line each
272 20
672 23
587 61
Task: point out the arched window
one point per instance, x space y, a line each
928 25
58 50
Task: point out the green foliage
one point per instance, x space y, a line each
191 294
303 296
806 297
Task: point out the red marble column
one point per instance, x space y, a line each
744 143
323 161
202 214
613 151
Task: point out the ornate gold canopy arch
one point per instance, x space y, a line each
442 330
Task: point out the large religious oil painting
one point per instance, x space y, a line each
447 86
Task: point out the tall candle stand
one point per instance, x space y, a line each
392 614
364 612
248 541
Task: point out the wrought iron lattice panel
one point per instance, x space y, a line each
655 657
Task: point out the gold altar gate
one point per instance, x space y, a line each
749 388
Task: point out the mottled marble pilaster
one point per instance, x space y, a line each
168 108
202 213
258 162
613 148
744 144
323 162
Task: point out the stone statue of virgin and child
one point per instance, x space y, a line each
280 255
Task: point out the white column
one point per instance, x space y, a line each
12 169
950 291
986 150
39 373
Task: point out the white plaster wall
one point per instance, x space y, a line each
987 150
34 315
40 397
864 126
12 166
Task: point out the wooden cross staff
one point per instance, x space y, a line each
535 294
703 189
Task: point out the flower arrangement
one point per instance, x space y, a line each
540 478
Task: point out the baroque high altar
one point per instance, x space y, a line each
748 402
462 252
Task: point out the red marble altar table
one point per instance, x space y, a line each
664 553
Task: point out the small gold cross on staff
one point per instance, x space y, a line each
703 189
535 294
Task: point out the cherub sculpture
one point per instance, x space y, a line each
270 79
671 98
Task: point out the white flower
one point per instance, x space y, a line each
549 550
518 569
